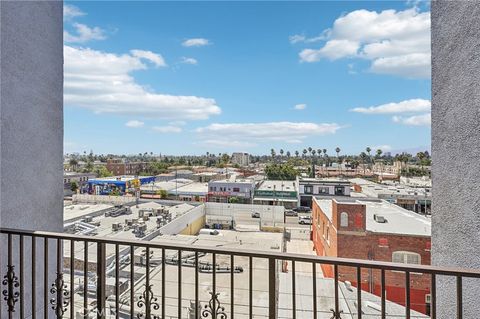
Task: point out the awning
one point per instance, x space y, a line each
269 199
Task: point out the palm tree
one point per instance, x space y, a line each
272 152
296 153
337 150
304 152
281 152
310 150
379 153
288 154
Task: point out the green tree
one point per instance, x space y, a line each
281 171
74 186
102 171
73 163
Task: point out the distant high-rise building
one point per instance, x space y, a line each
242 159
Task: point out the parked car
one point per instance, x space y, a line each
302 209
255 215
305 220
291 213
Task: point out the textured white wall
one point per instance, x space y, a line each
456 148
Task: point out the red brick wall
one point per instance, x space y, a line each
356 216
381 247
354 242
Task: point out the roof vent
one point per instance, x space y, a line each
380 219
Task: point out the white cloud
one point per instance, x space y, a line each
396 42
167 129
101 82
289 132
384 148
300 107
407 106
296 38
84 34
134 124
222 144
155 58
415 120
196 42
71 11
189 60
333 50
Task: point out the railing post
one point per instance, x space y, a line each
272 289
100 280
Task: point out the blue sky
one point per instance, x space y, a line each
187 78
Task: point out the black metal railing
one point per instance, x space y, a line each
101 293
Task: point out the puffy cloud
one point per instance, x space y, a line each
189 60
84 33
155 58
415 120
196 42
300 107
407 106
101 82
134 124
253 133
396 42
333 50
167 129
71 11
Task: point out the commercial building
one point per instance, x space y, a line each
233 189
242 159
123 167
374 229
270 192
310 187
417 199
118 185
80 178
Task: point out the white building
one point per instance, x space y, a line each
242 159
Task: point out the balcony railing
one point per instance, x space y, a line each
102 292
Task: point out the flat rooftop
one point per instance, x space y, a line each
399 220
193 188
270 185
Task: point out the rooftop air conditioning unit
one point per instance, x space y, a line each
87 219
116 226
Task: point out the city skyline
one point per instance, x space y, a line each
138 78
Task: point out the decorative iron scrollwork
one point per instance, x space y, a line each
62 296
149 301
10 295
336 315
214 308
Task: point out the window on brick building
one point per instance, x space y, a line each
406 257
344 219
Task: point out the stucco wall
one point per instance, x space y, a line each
456 147
31 124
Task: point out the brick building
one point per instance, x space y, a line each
120 167
373 229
